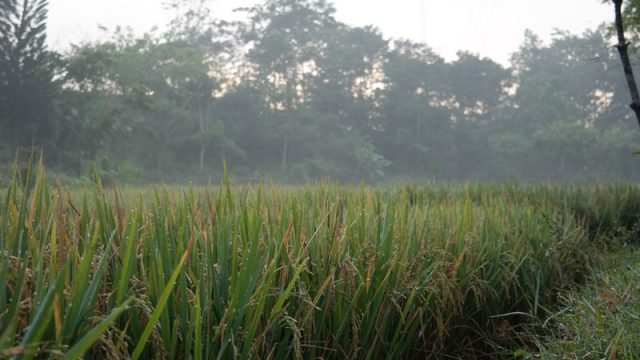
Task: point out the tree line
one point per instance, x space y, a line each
293 94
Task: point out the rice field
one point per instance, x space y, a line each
269 272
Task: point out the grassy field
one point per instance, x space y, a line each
322 271
599 320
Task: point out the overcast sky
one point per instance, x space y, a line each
492 28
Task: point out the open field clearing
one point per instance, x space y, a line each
321 271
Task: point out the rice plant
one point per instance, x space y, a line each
321 271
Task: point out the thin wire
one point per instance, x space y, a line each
423 21
496 5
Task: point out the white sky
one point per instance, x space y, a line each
492 28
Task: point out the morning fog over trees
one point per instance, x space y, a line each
292 94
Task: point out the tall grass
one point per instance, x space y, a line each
600 320
320 271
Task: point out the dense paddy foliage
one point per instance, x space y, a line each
262 271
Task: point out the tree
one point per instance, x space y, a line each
285 36
564 99
623 49
27 89
156 92
156 95
414 131
194 28
478 85
344 98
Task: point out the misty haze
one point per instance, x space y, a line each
309 179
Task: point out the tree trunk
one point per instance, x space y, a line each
203 144
284 153
13 150
159 156
290 101
623 49
203 149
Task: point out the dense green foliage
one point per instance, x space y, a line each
332 272
293 94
